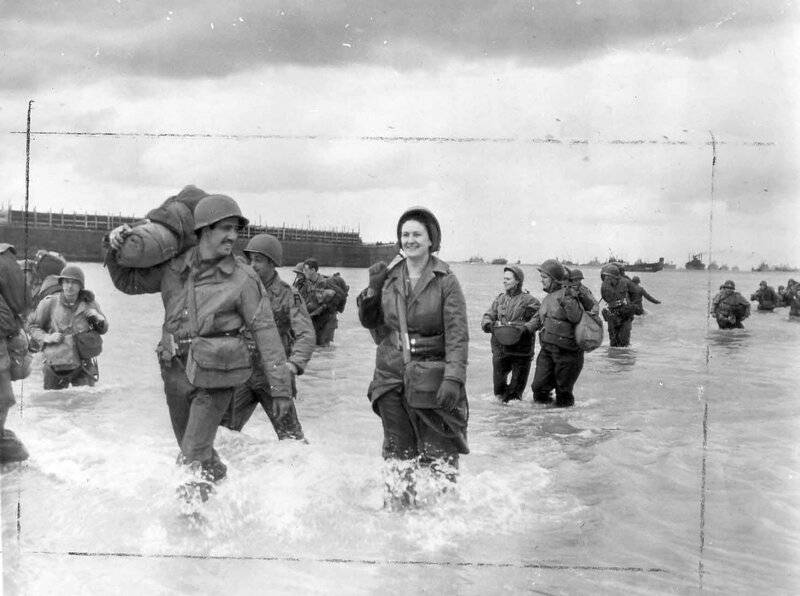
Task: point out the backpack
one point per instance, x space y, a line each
337 284
588 332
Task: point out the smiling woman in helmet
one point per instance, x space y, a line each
416 312
67 325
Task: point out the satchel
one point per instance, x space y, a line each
89 344
62 356
588 332
422 381
507 335
218 362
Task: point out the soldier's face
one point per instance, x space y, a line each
546 280
70 287
308 272
509 281
262 265
221 237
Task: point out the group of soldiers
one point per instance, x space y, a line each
45 306
730 308
515 315
235 335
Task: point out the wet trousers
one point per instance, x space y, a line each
619 331
559 369
407 436
245 399
84 376
195 413
325 326
519 367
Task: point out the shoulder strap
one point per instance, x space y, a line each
400 303
191 304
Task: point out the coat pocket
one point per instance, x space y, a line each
422 381
217 362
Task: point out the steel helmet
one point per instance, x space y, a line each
575 275
554 269
214 208
610 269
72 272
299 268
728 285
267 245
430 222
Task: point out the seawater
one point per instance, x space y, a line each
675 472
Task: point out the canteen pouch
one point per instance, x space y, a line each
588 332
62 356
89 344
217 362
422 381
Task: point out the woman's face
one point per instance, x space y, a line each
414 239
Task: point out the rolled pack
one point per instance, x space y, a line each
167 231
148 244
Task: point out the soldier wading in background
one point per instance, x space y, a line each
264 252
509 321
210 298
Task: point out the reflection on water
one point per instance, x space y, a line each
621 358
613 482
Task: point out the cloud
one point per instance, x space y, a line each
91 40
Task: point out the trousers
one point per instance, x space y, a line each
519 367
559 369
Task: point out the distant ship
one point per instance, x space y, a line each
763 266
499 261
712 266
475 260
723 267
640 265
595 262
696 263
670 265
79 237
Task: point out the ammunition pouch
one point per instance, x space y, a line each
422 381
218 361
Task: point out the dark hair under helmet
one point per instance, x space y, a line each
427 219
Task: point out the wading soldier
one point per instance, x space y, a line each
210 298
508 320
14 361
264 253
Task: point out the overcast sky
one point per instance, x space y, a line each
532 129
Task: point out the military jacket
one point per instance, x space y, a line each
557 317
229 297
293 321
435 306
515 307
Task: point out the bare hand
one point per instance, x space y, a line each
116 237
54 338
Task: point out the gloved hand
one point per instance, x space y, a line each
448 395
378 272
93 317
487 326
54 338
116 237
281 406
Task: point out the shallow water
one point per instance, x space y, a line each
617 494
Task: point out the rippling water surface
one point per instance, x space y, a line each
617 494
